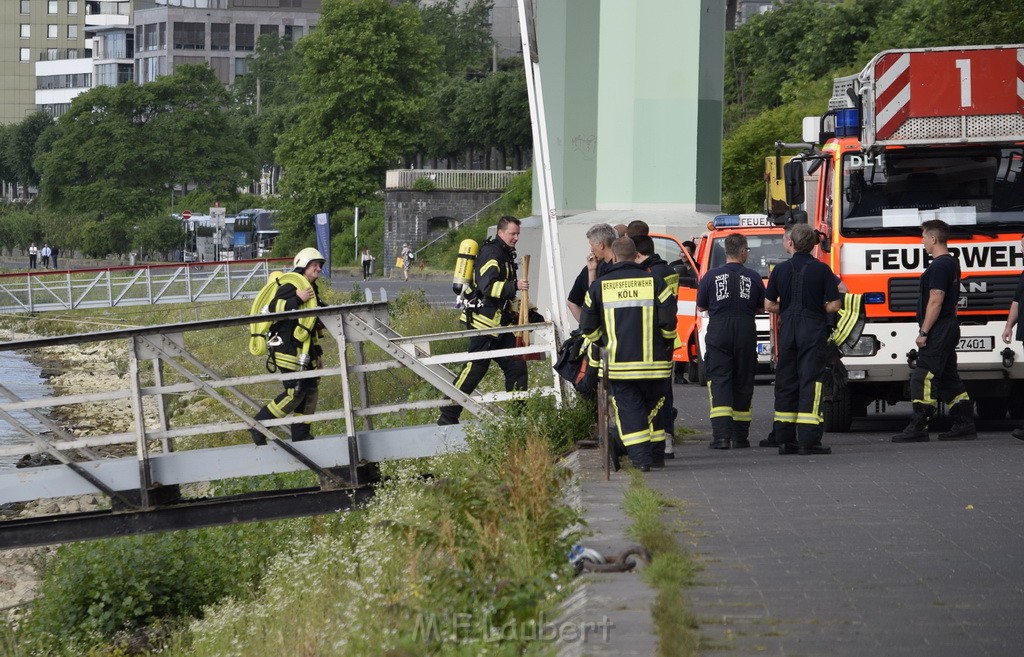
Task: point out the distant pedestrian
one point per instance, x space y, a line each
54 251
407 257
45 253
33 253
1011 320
935 375
733 295
367 263
802 290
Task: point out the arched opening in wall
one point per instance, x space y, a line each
437 226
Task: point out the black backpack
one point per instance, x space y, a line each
573 365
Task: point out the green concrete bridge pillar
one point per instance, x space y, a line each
633 103
633 99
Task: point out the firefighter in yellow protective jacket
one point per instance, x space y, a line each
632 314
495 285
293 346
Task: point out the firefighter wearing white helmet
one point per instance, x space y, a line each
293 345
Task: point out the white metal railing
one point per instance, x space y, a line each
177 370
450 178
37 291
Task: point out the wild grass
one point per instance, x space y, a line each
456 555
669 573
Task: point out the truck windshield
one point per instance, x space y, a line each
764 250
975 189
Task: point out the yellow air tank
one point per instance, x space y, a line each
464 265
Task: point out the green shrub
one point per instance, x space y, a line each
423 184
90 591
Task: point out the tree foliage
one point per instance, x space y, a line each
266 100
463 34
119 151
20 148
367 70
780 65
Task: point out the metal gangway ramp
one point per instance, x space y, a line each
38 290
143 484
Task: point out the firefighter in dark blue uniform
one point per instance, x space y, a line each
1012 319
495 286
803 290
935 376
632 314
732 295
654 263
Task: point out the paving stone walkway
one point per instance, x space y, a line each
877 549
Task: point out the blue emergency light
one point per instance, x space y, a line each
874 297
848 122
740 220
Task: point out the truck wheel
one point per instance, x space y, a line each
837 409
992 408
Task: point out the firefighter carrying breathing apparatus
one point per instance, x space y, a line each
290 345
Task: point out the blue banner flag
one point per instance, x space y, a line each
323 239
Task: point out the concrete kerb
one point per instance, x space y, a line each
609 613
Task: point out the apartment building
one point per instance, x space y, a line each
53 50
52 33
221 33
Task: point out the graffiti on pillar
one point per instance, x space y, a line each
585 145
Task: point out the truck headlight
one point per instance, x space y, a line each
867 345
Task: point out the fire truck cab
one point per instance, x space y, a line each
920 134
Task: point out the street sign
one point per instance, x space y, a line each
218 214
186 215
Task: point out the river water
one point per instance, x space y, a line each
23 378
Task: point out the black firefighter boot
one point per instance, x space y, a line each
257 437
300 432
640 456
962 413
917 430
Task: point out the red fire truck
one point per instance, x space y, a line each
921 134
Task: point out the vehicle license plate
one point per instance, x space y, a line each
764 348
984 343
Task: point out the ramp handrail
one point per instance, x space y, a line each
158 464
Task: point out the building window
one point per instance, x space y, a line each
51 7
244 39
26 6
189 36
241 66
73 54
72 31
72 7
269 29
24 54
51 55
26 31
220 36
292 33
51 31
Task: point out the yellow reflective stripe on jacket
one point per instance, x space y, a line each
849 313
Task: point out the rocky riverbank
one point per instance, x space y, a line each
69 369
